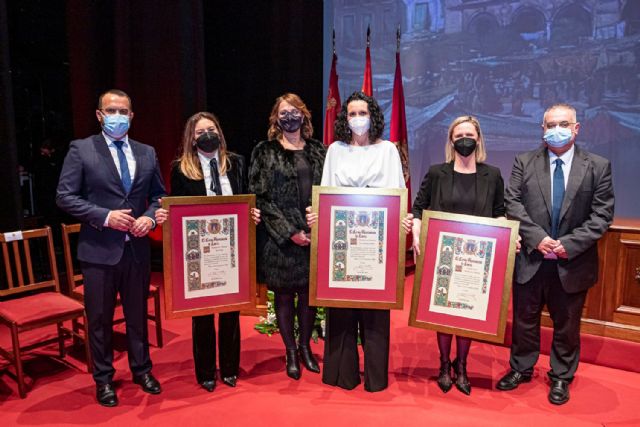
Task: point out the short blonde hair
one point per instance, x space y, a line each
480 152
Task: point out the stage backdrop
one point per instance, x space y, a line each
504 62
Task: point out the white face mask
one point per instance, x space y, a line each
359 125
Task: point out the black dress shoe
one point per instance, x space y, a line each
208 385
559 392
444 376
106 395
230 380
462 381
308 360
293 365
148 383
512 380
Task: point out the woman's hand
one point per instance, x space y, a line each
300 239
161 214
417 225
407 223
312 217
255 215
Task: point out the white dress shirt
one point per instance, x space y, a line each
128 153
225 184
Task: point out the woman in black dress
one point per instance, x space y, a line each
464 184
206 168
283 170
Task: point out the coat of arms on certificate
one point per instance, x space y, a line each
210 255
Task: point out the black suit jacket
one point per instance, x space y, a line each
90 187
586 213
436 191
183 186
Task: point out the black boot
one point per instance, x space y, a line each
444 377
462 381
308 360
293 365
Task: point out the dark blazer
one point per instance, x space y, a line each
586 213
183 186
436 191
89 187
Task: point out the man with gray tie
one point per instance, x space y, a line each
112 184
563 197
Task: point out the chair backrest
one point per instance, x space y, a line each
19 250
68 240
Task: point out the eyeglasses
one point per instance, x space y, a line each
112 111
564 124
202 131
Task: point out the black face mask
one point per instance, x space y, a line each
290 123
464 146
208 142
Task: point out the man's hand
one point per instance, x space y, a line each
547 245
560 251
120 219
518 244
300 238
141 226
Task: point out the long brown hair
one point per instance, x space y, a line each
188 154
275 132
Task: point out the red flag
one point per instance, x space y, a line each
367 83
333 103
398 131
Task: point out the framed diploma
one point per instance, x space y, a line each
358 247
209 255
462 283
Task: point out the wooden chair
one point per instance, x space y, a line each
34 303
76 288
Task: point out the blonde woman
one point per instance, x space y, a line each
464 184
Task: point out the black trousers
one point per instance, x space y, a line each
341 361
102 283
565 310
204 345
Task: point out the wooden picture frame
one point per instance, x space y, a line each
209 238
360 219
462 283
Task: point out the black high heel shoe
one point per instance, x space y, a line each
462 381
444 377
293 365
308 360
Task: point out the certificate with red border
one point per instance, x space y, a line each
358 247
209 255
462 283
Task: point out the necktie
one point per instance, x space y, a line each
124 167
215 178
558 195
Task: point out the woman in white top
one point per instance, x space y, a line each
360 158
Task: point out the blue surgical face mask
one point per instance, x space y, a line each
115 125
557 137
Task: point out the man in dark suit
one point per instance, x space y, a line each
112 184
563 197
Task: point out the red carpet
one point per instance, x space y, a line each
64 394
